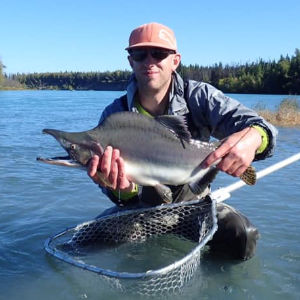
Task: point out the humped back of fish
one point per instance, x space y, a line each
155 150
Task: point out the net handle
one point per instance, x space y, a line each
224 193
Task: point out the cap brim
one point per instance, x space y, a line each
150 44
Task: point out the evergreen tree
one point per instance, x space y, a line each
1 73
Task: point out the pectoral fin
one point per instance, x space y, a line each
249 176
164 192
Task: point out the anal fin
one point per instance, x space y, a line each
164 192
199 186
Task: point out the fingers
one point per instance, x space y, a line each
93 168
216 155
235 154
226 147
109 170
233 165
123 182
106 161
113 172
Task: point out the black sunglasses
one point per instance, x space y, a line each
156 53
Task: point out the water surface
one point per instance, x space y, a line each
39 200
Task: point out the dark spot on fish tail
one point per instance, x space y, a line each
249 176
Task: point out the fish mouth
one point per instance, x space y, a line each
65 161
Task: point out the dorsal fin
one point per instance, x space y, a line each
176 124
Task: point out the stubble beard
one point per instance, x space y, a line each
152 85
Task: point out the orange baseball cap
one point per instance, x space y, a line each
152 35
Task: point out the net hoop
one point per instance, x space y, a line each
192 259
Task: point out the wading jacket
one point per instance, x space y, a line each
209 113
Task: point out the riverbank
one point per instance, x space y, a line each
100 86
286 115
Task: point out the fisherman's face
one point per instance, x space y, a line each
153 67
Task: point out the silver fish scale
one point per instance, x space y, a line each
191 221
209 147
145 139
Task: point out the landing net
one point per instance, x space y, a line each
185 226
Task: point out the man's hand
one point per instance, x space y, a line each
109 170
236 152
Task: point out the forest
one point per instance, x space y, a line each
280 76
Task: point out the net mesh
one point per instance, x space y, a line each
190 223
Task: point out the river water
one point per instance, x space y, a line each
38 201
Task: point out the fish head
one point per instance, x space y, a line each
80 147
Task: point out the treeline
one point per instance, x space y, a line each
272 77
263 77
116 80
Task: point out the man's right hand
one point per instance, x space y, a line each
109 170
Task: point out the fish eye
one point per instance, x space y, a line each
73 146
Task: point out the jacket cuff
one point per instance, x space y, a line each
264 138
126 195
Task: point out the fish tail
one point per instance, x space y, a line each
249 176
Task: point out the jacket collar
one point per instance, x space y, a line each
131 91
177 103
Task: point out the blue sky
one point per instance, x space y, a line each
90 35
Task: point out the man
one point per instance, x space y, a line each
155 89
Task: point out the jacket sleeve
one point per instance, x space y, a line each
117 105
218 115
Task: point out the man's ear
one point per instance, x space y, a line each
176 61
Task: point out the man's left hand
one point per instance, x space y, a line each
236 152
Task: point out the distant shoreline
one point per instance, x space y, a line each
105 86
119 88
